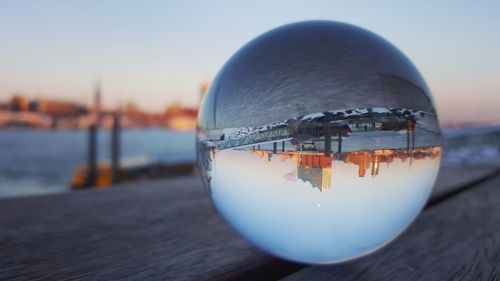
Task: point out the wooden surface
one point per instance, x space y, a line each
458 239
169 230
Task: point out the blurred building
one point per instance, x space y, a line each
59 109
19 103
21 112
24 119
180 118
70 115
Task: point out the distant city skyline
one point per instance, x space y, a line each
153 53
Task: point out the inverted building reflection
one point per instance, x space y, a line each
365 137
316 168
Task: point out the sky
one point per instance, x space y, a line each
158 52
354 217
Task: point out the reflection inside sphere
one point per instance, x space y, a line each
319 142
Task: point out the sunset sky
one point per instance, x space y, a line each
158 52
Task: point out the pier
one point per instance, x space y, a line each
319 131
330 134
282 135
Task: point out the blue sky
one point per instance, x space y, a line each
156 52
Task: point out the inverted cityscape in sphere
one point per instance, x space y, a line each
318 141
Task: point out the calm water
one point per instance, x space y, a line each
33 162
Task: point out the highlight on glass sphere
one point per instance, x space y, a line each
319 142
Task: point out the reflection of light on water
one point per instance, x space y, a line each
287 215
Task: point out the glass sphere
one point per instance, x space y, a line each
318 141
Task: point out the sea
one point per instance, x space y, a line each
40 162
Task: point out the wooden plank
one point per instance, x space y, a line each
453 178
155 230
152 232
458 239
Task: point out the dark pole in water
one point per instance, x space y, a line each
408 140
283 146
328 140
275 147
413 138
340 142
115 148
92 156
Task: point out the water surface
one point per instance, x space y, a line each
33 162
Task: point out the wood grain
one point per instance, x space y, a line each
151 230
456 240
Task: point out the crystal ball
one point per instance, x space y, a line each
318 142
